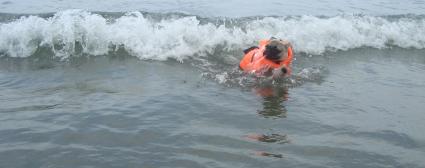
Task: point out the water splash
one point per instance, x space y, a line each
75 32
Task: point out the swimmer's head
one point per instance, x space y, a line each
276 50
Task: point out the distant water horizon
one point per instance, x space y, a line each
232 8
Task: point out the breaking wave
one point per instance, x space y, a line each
177 36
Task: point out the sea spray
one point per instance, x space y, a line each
71 32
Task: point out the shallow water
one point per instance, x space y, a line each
108 112
143 89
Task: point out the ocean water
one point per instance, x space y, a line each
155 84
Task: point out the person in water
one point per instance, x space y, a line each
271 58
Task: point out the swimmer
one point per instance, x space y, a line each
271 58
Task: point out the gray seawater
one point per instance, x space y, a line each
229 8
75 92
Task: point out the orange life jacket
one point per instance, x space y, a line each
255 61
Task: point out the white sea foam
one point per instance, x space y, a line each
185 36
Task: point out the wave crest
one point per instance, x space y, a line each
74 32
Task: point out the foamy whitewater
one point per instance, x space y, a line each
156 83
180 36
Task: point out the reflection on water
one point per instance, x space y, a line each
273 98
262 153
272 138
273 95
113 113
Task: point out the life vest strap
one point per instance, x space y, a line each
246 51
